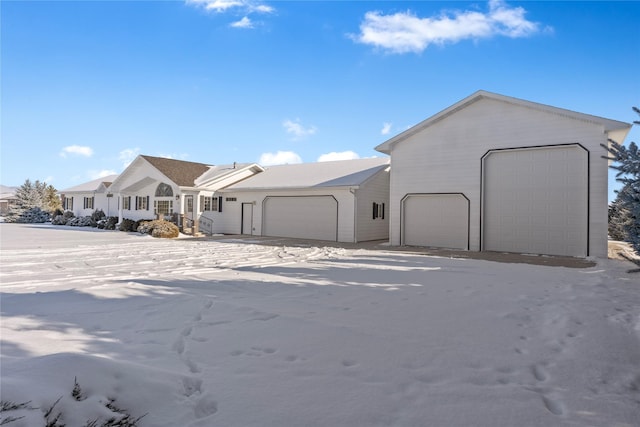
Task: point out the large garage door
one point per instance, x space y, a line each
536 201
302 217
438 220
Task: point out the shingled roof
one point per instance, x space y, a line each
179 171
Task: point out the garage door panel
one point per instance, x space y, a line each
437 220
301 217
536 200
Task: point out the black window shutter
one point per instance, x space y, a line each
220 204
375 210
147 202
136 202
383 211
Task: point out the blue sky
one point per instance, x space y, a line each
87 85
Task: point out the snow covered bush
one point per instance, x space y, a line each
127 225
159 228
81 221
108 223
29 216
98 215
51 416
63 218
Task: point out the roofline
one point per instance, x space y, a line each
609 124
246 190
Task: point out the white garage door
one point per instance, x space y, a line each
536 201
438 220
302 217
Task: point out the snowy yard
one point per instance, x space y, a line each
233 332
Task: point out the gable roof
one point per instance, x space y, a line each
220 172
90 186
340 173
181 172
610 126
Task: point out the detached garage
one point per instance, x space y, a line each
502 174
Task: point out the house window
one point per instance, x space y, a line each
142 203
189 200
214 204
378 210
163 207
231 199
88 202
164 190
68 203
207 203
126 203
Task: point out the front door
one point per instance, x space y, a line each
247 218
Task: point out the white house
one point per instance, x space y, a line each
502 174
344 201
156 187
86 198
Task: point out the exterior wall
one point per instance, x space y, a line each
446 157
229 221
109 205
375 190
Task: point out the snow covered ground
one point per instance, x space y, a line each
235 332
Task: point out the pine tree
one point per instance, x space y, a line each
626 215
52 200
32 198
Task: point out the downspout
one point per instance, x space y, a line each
355 214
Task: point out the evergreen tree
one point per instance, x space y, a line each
626 207
33 197
52 200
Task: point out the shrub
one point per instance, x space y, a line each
108 223
127 225
81 221
159 228
31 216
98 215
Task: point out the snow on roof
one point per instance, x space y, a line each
215 172
91 185
321 174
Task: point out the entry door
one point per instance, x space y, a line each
247 218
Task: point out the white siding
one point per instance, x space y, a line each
229 222
437 220
305 217
374 190
536 201
446 157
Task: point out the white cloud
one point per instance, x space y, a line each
245 22
296 129
279 158
127 156
102 173
386 128
78 150
221 6
343 155
404 32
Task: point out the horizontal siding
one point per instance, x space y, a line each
375 190
230 220
446 158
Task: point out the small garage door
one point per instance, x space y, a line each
536 201
302 217
437 220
